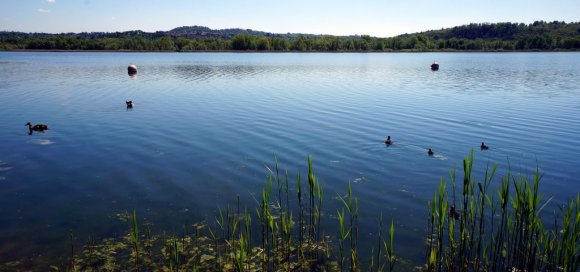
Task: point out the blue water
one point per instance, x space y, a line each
206 127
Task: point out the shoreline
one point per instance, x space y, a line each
289 51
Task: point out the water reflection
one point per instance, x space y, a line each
207 72
4 167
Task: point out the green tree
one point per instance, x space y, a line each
264 44
164 44
243 42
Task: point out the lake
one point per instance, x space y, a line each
207 127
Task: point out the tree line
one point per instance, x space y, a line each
477 37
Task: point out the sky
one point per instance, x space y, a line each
384 18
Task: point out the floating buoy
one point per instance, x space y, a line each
435 66
132 69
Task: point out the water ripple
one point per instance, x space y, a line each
206 127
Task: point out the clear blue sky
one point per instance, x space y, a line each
383 18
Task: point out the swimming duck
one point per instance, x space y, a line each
453 214
388 141
430 152
37 127
129 104
483 146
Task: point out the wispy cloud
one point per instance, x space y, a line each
51 1
41 10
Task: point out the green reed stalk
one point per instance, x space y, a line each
272 229
440 201
349 207
72 251
265 219
240 253
500 251
286 229
379 253
312 190
430 254
286 190
450 260
390 248
354 236
300 252
467 167
248 233
483 197
320 195
135 239
221 221
278 185
343 235
175 251
263 214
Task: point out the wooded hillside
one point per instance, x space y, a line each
539 35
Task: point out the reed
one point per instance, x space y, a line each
391 257
72 251
135 239
351 205
518 242
343 235
484 228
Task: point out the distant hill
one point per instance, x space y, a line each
202 32
206 32
191 32
539 35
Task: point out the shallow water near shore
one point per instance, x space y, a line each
206 127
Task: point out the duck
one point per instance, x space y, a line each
453 214
430 152
37 127
129 104
388 141
483 146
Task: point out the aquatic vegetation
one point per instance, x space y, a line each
479 230
474 240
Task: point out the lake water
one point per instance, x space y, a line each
206 127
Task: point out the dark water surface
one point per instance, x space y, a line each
205 128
